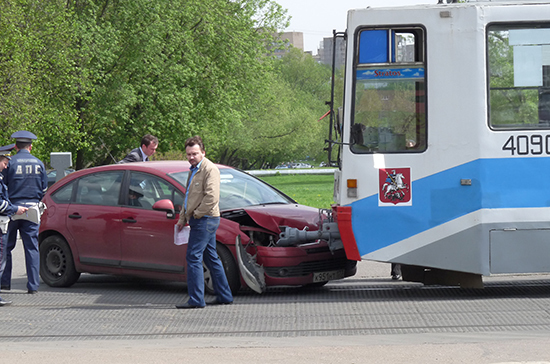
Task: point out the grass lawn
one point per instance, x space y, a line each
314 190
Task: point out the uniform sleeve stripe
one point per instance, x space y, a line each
4 205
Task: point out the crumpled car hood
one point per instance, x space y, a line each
270 217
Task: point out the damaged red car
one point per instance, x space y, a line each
119 219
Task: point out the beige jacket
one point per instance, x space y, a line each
204 193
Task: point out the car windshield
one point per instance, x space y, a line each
239 190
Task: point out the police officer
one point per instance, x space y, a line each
27 182
6 209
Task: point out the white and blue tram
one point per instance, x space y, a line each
444 139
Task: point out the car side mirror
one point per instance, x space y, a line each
167 206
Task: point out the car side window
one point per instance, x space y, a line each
99 189
145 189
64 194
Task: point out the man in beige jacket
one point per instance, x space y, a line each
202 213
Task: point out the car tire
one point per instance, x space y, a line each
231 271
56 263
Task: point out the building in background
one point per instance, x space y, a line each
324 53
295 39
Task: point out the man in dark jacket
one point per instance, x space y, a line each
148 147
27 183
6 210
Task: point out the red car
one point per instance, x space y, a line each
119 219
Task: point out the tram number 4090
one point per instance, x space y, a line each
528 144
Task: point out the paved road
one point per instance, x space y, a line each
365 319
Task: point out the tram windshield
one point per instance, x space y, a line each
389 104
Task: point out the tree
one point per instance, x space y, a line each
281 123
178 69
36 72
93 76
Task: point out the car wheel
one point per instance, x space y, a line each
56 263
231 271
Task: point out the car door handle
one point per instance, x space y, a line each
130 220
75 216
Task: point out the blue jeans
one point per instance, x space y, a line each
202 245
29 234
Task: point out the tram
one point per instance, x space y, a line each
442 145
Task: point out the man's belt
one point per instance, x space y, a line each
35 210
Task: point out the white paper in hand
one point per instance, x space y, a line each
181 236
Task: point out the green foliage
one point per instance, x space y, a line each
178 69
315 190
36 73
92 76
281 122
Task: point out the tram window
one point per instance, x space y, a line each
389 107
390 46
374 46
406 49
519 76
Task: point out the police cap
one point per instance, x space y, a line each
6 150
23 136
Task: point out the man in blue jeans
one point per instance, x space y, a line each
202 213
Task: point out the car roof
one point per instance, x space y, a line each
161 166
155 167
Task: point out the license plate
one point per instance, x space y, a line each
328 276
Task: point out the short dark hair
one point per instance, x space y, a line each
148 139
22 145
196 140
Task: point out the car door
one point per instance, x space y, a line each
93 219
147 240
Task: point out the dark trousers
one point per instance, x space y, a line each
29 234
